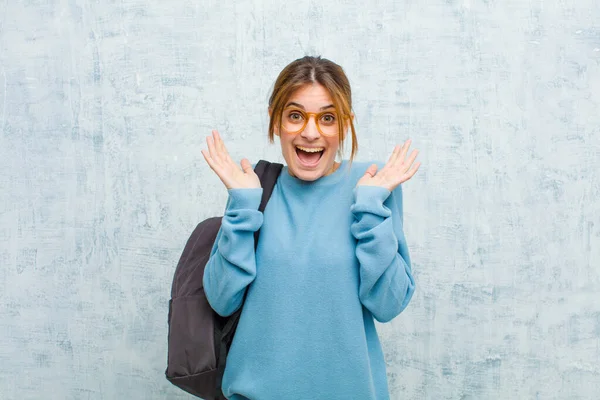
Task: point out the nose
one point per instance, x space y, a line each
310 131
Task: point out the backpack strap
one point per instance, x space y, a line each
268 173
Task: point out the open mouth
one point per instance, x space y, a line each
309 156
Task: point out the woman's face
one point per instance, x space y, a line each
309 155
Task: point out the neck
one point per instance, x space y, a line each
334 168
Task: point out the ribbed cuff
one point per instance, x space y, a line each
370 199
244 199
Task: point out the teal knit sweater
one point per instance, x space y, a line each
331 258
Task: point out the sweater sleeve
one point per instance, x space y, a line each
386 281
232 263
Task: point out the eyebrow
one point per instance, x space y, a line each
291 103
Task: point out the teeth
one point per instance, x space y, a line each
311 149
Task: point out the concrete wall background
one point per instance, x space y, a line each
104 107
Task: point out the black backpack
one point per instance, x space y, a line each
199 338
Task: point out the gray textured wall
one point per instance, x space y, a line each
104 107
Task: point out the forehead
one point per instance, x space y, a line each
311 96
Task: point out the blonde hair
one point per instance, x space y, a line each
309 70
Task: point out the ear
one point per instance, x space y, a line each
275 128
347 125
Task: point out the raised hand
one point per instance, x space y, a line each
232 176
397 170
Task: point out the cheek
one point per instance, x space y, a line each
286 145
333 144
286 141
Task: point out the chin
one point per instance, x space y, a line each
304 175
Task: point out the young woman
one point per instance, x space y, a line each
331 258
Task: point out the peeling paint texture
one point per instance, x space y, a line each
104 107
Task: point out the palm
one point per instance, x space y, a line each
232 176
396 171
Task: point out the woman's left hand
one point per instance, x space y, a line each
397 170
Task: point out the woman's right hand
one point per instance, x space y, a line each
232 176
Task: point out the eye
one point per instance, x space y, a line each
295 116
328 119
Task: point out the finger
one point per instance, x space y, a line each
208 159
404 150
220 145
246 166
411 159
223 153
214 154
411 172
371 171
394 154
218 142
